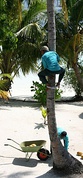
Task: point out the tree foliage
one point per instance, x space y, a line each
70 37
19 50
41 92
70 80
22 32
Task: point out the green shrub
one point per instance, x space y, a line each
40 92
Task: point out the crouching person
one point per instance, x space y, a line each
64 137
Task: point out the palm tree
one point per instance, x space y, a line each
61 158
31 36
20 50
69 37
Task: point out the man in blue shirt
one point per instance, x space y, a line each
62 134
50 60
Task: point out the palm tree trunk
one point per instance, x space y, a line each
61 158
51 25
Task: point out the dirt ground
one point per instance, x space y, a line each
22 121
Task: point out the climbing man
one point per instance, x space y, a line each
50 61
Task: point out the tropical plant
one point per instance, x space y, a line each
19 50
70 37
70 81
8 40
41 92
4 81
3 84
44 113
4 95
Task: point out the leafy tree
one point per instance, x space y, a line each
30 36
69 37
19 51
8 23
71 81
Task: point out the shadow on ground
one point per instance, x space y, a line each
19 103
55 174
31 162
39 126
81 116
34 104
18 174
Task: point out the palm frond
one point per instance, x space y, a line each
4 94
70 3
35 8
6 75
77 11
65 11
31 30
30 38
